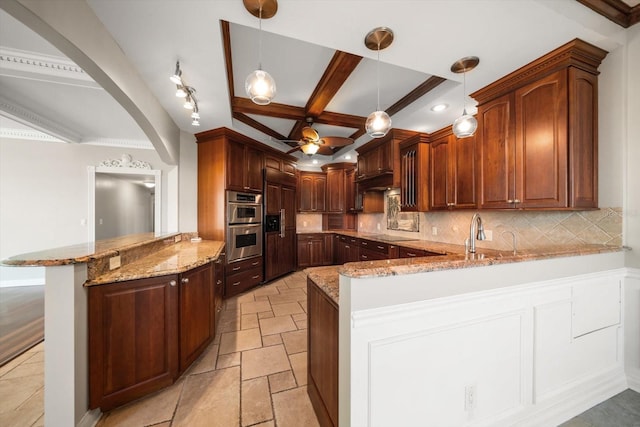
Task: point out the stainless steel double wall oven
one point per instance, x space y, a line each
244 225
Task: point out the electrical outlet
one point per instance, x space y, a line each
470 397
488 235
434 231
114 262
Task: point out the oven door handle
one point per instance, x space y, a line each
282 219
250 225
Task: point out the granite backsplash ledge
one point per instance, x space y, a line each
533 229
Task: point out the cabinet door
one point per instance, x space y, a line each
350 190
385 157
327 258
272 200
335 191
218 277
304 252
133 339
316 251
541 149
197 308
288 197
253 169
440 177
497 153
305 193
319 193
236 165
463 172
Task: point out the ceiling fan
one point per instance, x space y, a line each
311 143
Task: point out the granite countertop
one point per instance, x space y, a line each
85 252
174 259
454 257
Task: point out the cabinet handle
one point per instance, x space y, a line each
380 247
184 280
235 284
364 243
410 254
256 276
516 201
218 282
509 201
255 263
347 247
172 283
235 268
364 257
246 188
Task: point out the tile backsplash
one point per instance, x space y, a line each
533 229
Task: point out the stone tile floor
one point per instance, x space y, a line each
253 374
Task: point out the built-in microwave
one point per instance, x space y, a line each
243 208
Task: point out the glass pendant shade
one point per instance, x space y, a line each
378 124
465 125
310 148
260 87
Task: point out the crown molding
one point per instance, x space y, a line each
37 66
28 134
122 143
25 116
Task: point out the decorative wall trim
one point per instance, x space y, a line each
125 161
140 144
21 114
37 66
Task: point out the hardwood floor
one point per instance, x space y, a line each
21 320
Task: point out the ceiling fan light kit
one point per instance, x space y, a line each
378 123
465 125
187 93
259 85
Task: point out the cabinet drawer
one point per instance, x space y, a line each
404 252
240 282
375 246
310 237
367 254
240 266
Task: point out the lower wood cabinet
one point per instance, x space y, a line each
143 333
322 355
243 275
404 252
315 249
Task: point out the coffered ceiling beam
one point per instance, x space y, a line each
226 45
615 10
258 126
415 94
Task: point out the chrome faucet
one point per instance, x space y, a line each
513 239
476 221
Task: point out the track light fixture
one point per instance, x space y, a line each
259 85
378 123
187 93
465 125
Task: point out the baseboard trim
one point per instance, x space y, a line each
39 281
90 418
633 380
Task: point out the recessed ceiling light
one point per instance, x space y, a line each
439 107
315 162
348 156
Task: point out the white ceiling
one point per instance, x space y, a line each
298 42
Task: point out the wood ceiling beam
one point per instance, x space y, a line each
282 111
415 94
258 126
226 45
296 131
340 67
615 10
339 119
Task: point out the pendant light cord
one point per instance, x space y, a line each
464 91
378 77
260 40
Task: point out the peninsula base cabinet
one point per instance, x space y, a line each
144 333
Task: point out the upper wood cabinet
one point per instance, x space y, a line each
453 171
414 173
340 190
379 161
537 133
272 161
350 190
245 168
312 188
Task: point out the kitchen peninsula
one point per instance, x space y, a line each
525 339
73 273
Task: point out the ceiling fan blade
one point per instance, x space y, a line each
325 150
337 141
310 134
293 150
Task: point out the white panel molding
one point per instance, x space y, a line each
29 65
21 282
27 134
27 117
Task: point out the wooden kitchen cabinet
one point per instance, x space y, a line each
243 275
322 355
218 295
133 339
537 133
315 249
350 190
312 188
414 168
143 333
453 172
197 313
245 166
404 252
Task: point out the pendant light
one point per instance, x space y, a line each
378 123
465 125
259 85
